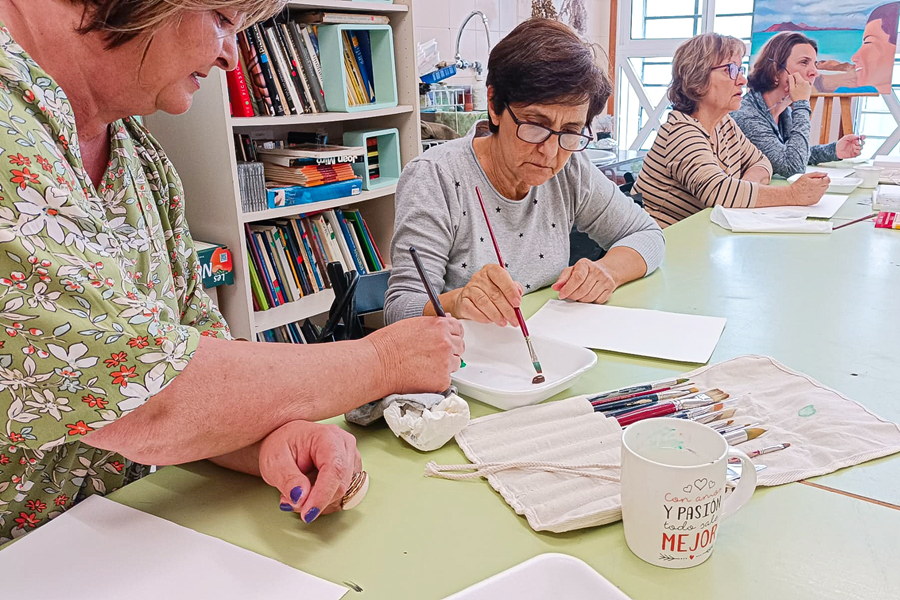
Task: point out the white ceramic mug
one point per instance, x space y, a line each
869 176
673 490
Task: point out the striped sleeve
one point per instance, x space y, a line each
692 163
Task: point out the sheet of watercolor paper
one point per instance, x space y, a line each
658 334
823 209
832 172
148 558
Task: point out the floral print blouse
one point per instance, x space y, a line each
100 299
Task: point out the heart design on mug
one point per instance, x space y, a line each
700 483
692 556
712 484
687 489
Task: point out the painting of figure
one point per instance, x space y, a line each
857 39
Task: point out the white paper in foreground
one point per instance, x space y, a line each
147 558
672 336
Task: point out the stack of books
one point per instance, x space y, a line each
288 257
372 157
279 71
310 165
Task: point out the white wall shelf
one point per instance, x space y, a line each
244 123
298 209
201 147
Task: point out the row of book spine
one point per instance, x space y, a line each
279 72
287 258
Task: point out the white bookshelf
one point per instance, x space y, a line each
200 145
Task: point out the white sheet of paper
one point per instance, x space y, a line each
831 171
671 336
823 209
147 558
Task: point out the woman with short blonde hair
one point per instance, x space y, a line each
114 357
700 158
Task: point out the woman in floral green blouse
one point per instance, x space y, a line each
112 357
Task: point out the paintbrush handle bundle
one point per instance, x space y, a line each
831 431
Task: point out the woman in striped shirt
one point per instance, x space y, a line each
700 158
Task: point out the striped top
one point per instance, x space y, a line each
687 169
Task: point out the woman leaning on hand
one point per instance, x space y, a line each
114 357
700 157
775 113
544 88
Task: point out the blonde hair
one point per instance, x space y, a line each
120 21
692 65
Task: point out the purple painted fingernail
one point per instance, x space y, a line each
296 493
286 507
311 515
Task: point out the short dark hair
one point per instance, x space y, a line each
543 61
889 15
772 58
120 21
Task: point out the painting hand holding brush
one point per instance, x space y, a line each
539 378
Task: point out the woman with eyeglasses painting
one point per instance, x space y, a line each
544 88
775 114
700 157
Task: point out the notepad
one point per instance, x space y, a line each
658 334
103 550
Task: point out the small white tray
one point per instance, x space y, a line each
838 185
498 368
545 577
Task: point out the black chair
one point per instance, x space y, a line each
582 246
355 295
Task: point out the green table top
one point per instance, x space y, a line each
817 303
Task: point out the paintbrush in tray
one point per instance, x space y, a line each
539 378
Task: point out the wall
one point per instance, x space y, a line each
440 19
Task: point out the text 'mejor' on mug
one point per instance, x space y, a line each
673 490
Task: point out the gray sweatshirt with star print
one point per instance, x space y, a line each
437 211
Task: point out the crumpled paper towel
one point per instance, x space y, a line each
425 421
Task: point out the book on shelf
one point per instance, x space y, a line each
310 175
298 155
372 158
216 267
239 95
288 257
252 185
328 18
258 49
278 196
280 64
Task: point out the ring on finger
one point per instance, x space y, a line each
359 485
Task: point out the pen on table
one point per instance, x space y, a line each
605 406
539 378
743 435
432 295
646 388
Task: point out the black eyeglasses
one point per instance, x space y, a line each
538 134
733 70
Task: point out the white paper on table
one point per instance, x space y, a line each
147 558
671 336
825 208
831 171
750 220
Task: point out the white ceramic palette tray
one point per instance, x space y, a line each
544 577
498 367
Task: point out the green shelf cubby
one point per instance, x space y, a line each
334 70
388 156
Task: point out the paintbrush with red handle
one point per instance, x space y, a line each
539 378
